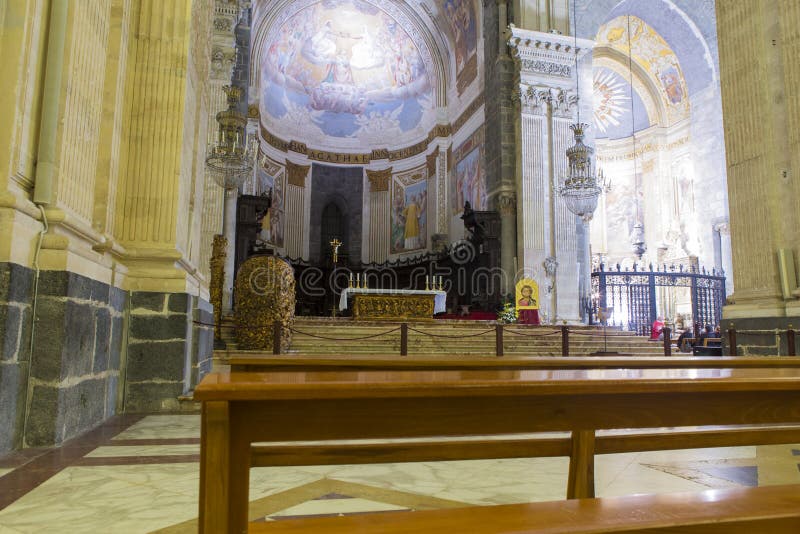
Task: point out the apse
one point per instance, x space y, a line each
346 74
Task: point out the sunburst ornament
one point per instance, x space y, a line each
610 100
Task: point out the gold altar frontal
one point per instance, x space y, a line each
378 307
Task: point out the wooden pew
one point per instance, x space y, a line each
242 408
768 509
260 362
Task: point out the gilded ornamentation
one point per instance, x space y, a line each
296 174
379 180
392 307
431 161
265 293
218 253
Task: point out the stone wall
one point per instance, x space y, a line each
169 349
345 187
88 361
75 363
15 325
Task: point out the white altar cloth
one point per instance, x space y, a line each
439 297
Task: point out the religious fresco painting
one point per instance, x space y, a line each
470 176
461 19
409 211
652 53
344 69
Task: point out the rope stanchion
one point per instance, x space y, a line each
565 341
404 339
344 338
518 333
450 337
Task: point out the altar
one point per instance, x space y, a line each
393 304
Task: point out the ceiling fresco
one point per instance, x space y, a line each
345 69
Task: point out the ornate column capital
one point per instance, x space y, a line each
565 103
534 99
296 174
379 180
507 203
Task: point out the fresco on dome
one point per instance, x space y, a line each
344 69
470 176
461 19
653 53
409 211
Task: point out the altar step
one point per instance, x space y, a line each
323 336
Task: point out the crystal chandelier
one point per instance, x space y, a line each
230 160
580 190
638 243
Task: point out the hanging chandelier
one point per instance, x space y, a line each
637 237
230 160
579 189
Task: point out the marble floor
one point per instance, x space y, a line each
140 474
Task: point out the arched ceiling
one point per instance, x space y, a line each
653 58
361 74
687 26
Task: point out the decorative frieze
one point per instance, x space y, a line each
549 68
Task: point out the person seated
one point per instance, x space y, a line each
706 333
656 329
682 340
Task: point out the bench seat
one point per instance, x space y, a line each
763 510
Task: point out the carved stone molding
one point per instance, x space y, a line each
379 180
540 54
296 174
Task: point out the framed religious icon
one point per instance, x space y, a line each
527 294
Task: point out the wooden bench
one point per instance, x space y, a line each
244 361
768 509
242 408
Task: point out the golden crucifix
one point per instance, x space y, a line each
335 244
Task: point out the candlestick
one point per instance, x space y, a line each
351 280
358 279
427 283
365 281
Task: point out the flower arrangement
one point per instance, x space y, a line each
508 314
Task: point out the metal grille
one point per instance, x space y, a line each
635 295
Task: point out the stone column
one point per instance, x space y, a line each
547 239
379 208
507 205
295 209
223 58
229 233
759 78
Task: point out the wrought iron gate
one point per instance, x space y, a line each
633 295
